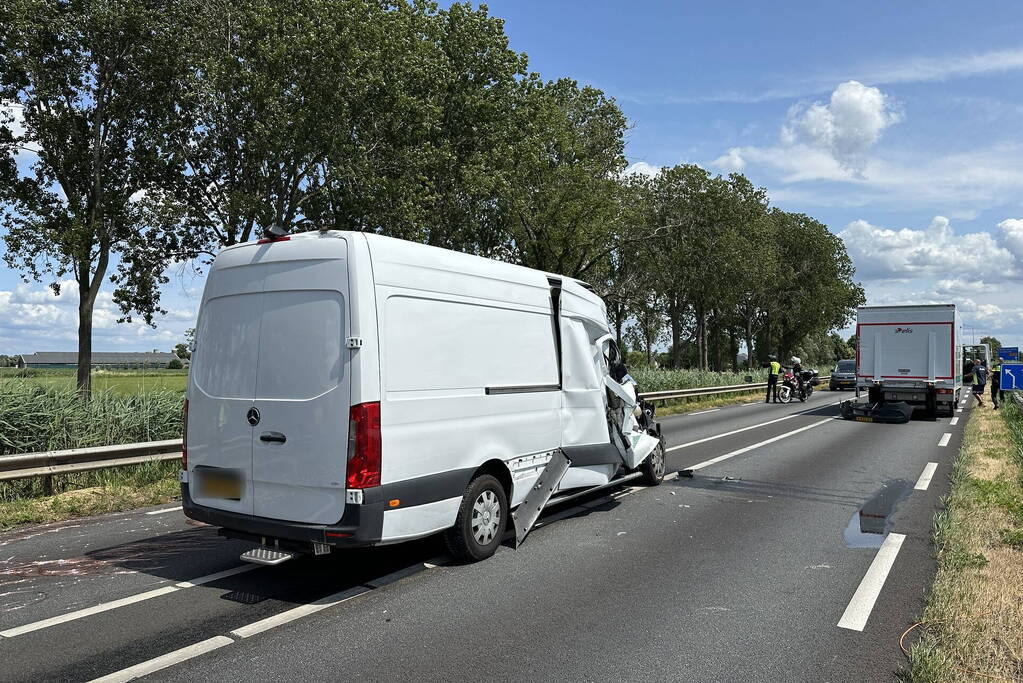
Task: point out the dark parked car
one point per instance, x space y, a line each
843 376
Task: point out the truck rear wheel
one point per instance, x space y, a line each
481 521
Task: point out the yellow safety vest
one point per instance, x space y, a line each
775 367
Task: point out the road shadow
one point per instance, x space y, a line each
192 553
752 488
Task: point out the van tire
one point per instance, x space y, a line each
485 493
653 467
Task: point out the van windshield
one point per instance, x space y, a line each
846 366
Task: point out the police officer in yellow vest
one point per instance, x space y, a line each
773 370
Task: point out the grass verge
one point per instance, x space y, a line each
689 405
112 490
972 627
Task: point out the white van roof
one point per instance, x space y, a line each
582 300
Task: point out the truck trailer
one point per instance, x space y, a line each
909 354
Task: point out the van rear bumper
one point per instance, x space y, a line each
360 525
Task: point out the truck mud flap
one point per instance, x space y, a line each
891 413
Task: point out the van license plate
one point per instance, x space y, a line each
864 419
218 482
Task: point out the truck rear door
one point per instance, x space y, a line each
906 350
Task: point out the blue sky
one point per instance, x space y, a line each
897 124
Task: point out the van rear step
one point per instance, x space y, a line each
264 555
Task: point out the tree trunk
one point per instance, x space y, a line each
619 323
85 308
701 338
698 337
749 342
675 313
732 353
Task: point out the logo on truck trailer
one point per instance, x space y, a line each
903 330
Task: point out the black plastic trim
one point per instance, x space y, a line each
593 454
523 389
555 285
361 524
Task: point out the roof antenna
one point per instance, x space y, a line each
278 231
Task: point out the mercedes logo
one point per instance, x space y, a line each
252 416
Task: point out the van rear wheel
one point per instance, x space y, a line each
481 521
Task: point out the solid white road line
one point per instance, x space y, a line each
953 422
946 437
210 578
755 403
163 661
925 477
704 412
856 614
160 512
130 600
746 429
298 612
88 611
747 449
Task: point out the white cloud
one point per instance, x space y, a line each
927 69
961 287
882 253
12 116
959 185
731 161
1011 236
36 320
904 70
825 141
643 168
847 127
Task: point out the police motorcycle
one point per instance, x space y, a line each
796 382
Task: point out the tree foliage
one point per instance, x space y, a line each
84 80
163 130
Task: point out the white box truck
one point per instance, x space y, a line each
909 354
349 389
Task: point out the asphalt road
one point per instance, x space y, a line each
794 522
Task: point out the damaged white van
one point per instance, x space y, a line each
349 389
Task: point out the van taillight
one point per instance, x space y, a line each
184 436
364 446
268 240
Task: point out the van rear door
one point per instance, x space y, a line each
302 394
222 385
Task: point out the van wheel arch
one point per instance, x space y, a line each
498 469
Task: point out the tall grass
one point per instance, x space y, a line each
1013 416
37 417
663 380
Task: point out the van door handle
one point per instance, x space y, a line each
275 437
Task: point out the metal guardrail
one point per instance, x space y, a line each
85 459
703 391
100 457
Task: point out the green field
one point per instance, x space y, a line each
119 381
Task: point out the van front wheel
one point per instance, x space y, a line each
481 521
653 467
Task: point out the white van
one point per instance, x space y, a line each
349 389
